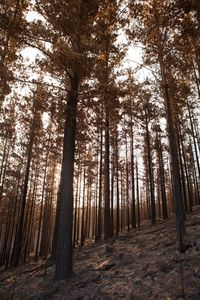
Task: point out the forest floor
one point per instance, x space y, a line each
143 264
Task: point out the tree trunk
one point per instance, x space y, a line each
117 184
133 216
99 230
127 186
194 140
76 206
65 196
83 211
176 182
19 235
138 195
107 217
150 171
162 177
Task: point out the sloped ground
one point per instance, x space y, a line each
143 264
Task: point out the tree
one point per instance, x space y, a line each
159 17
72 30
11 22
34 125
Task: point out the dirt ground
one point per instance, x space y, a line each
139 265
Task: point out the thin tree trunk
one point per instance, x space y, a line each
150 170
29 221
107 217
19 234
15 198
194 140
117 184
133 216
79 210
99 232
127 185
162 177
3 157
76 206
179 210
196 78
138 196
188 180
112 193
83 211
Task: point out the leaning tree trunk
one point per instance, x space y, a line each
188 179
194 139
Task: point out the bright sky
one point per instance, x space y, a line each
132 60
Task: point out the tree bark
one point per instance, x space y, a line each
19 235
65 196
176 182
107 217
150 171
133 215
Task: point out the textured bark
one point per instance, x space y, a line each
133 215
182 174
188 178
4 155
194 174
127 188
138 196
83 212
107 217
47 217
76 207
99 230
29 217
122 200
79 212
12 226
194 139
65 196
196 78
19 235
176 182
41 207
4 169
162 177
150 171
5 237
112 194
117 184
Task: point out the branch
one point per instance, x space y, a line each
142 66
39 83
46 53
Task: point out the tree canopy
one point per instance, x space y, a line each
89 146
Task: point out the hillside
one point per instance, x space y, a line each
143 264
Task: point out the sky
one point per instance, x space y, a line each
132 60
